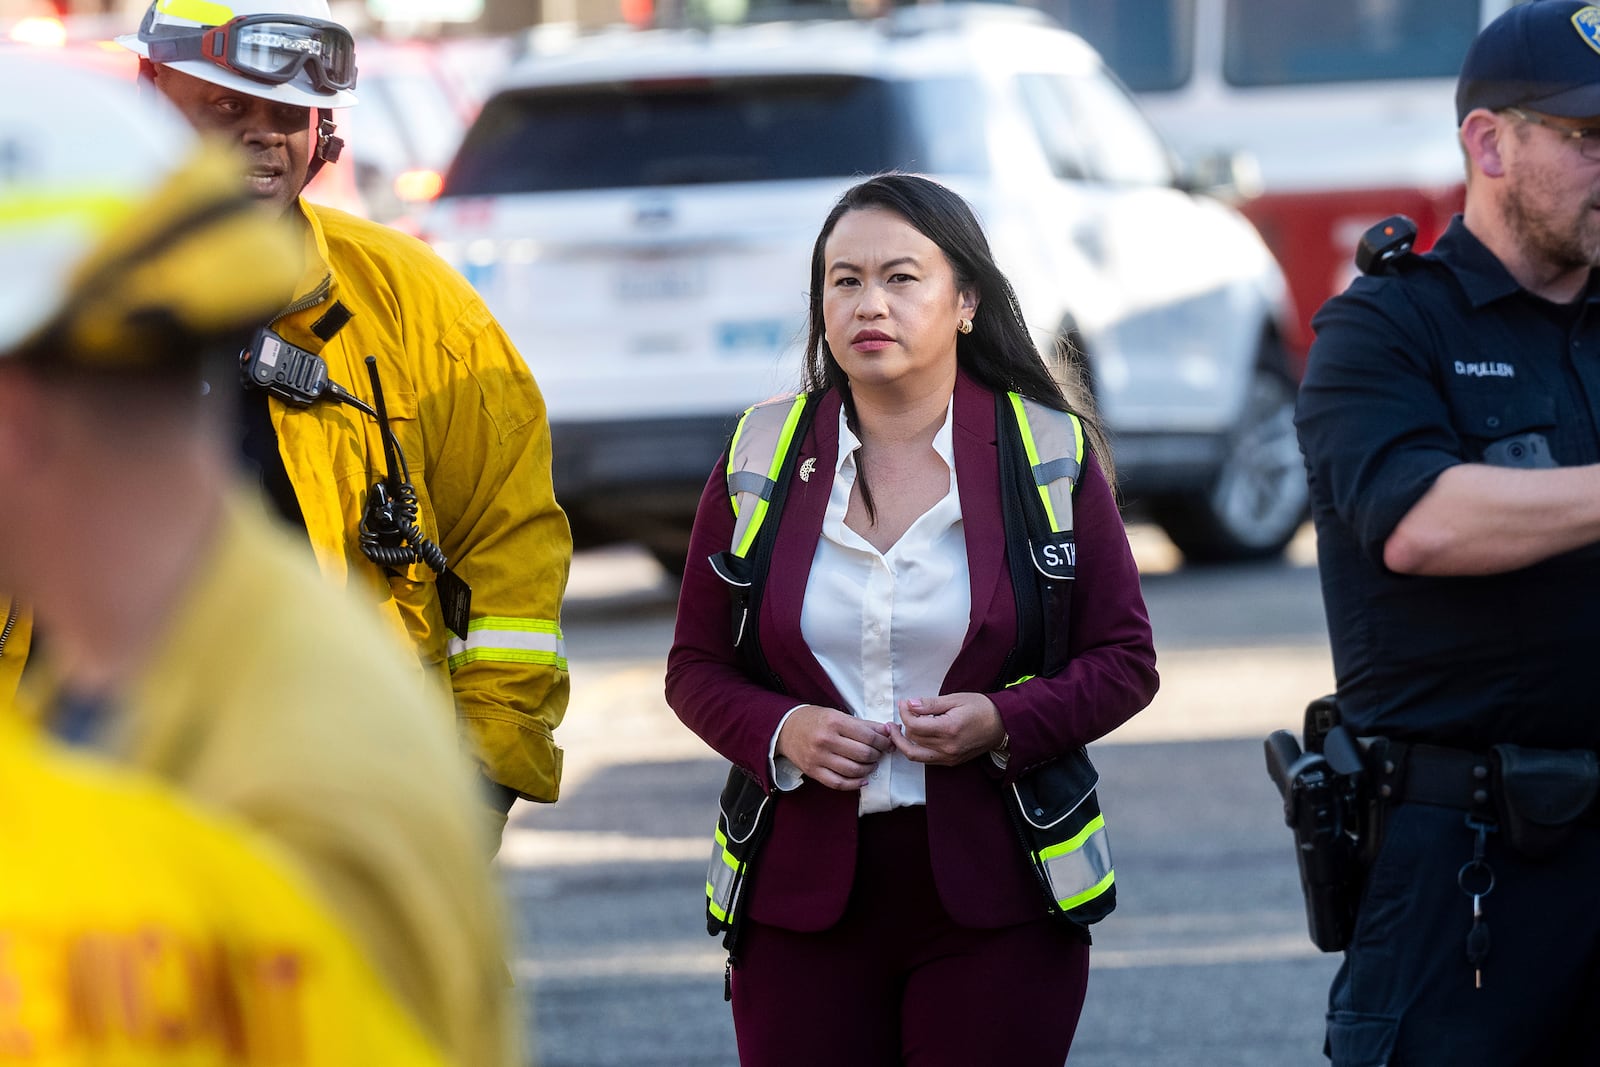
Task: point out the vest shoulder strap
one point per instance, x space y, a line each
1041 459
1053 442
761 458
763 439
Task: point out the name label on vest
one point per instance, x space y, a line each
1056 556
1485 369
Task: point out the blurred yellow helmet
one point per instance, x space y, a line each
124 242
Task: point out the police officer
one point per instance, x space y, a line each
187 634
462 403
1450 420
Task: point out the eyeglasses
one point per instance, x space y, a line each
1586 139
268 48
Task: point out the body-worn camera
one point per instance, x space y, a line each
1385 244
1323 804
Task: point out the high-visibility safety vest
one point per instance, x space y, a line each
1055 808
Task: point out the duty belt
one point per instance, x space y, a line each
1412 773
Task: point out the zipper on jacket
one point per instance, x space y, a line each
311 299
11 624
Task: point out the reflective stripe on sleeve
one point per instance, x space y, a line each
504 640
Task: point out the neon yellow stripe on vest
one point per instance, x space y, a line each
1080 869
758 513
1076 841
1032 450
1090 893
719 885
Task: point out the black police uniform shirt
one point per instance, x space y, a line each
1443 361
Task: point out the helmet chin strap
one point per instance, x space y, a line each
328 146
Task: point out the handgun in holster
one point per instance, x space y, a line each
1324 804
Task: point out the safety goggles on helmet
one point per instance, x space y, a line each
267 48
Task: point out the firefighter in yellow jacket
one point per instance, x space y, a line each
464 408
137 932
187 633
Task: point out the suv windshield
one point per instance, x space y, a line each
685 131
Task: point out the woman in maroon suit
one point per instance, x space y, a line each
892 915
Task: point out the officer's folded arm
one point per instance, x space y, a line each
1481 519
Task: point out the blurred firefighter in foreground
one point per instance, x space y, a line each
133 929
187 635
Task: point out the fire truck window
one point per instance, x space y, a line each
1149 43
1302 42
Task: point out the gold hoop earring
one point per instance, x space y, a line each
963 325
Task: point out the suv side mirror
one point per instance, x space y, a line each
1231 176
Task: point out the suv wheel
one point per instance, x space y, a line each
1258 499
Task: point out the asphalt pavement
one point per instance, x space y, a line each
1205 962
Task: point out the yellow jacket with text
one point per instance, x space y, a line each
137 932
472 425
270 695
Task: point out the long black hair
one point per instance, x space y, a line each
999 352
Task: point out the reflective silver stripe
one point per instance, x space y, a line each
1080 869
721 874
752 483
509 640
1065 467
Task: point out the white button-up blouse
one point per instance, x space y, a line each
885 625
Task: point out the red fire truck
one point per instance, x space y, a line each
1344 111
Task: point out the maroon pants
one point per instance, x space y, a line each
896 981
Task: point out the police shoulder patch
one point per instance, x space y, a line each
1586 20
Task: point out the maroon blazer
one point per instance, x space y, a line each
803 877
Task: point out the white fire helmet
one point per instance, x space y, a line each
290 51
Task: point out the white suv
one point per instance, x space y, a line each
638 208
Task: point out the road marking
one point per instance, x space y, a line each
687 959
618 715
536 849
